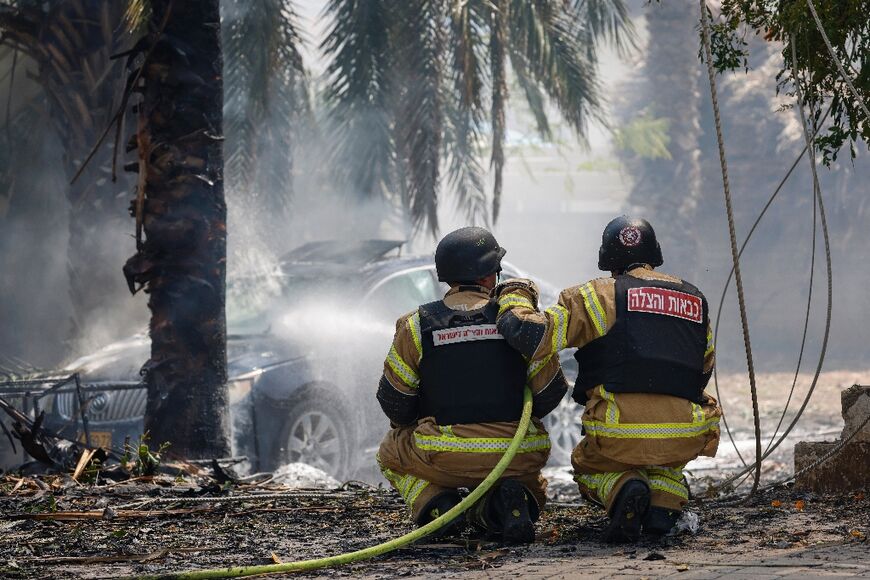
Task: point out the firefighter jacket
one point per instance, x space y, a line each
448 362
632 415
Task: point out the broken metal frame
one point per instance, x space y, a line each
32 390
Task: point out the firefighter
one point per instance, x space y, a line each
645 357
452 389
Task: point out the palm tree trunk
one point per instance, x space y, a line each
181 211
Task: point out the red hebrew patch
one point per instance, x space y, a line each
466 334
667 302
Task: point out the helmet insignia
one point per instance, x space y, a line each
629 236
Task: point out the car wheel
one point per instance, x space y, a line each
563 423
317 432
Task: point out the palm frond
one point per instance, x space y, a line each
420 121
358 94
266 95
22 139
555 44
137 16
398 104
609 20
498 39
463 131
19 28
535 97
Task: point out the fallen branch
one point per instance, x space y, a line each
140 558
101 514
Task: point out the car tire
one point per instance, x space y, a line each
317 430
563 424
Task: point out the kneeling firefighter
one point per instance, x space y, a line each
453 391
645 357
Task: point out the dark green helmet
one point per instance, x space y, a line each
467 254
628 241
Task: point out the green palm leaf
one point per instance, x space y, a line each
419 123
498 40
465 113
401 105
265 100
358 94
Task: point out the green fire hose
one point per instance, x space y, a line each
366 553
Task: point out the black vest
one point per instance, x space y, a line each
468 373
657 344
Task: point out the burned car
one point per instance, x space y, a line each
305 349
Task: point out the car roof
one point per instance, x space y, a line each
366 259
341 252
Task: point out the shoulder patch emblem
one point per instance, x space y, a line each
629 236
666 302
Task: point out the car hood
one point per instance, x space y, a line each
121 360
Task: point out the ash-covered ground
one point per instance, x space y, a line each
51 526
192 518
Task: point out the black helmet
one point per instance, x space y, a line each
628 241
467 255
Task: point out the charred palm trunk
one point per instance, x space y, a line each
181 216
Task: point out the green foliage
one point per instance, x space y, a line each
848 27
91 472
727 45
140 459
644 137
412 84
47 504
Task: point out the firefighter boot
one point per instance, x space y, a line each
627 512
511 512
659 521
438 506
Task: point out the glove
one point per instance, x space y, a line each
527 286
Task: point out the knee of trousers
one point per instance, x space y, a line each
416 492
667 488
422 501
602 488
394 448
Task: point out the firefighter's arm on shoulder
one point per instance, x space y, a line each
519 320
548 385
397 389
582 314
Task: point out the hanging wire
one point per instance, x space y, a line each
827 240
738 279
731 273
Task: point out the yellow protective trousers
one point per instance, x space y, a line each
424 460
667 487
